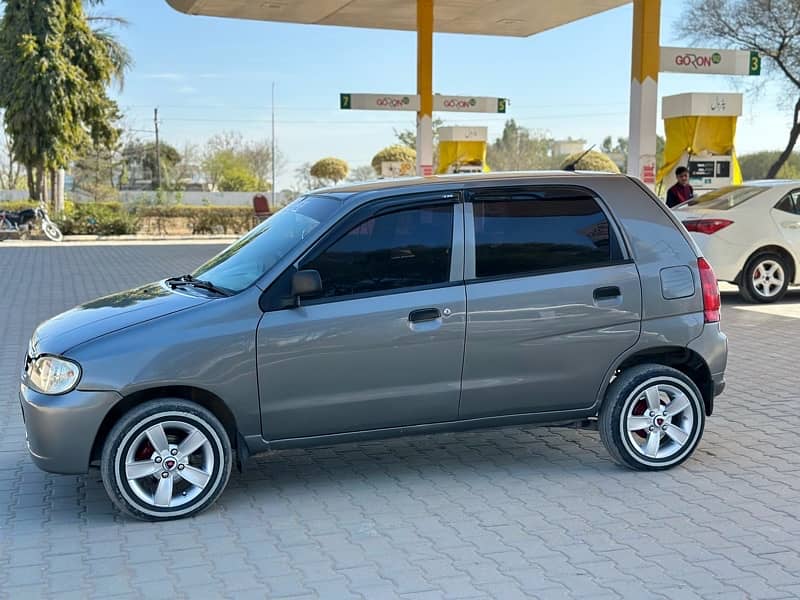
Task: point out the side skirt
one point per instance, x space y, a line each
582 419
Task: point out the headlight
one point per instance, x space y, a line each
52 375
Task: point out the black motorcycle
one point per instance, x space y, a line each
23 221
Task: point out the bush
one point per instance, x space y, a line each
115 218
17 205
96 218
592 161
202 219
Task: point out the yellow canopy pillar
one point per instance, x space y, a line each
698 127
462 150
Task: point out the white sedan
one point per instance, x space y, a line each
750 234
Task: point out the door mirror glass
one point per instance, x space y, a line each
306 283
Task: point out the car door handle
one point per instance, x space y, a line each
424 314
606 293
791 224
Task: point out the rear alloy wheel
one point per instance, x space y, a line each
166 459
652 418
765 278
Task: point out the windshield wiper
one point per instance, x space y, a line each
199 283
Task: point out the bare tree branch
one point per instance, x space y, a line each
770 27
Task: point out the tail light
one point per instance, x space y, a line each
708 283
707 226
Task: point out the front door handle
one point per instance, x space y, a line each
606 293
424 314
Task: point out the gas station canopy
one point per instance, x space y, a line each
487 17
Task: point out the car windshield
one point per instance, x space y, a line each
243 262
724 198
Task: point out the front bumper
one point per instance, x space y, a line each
61 429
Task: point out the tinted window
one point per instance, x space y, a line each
790 203
523 233
404 249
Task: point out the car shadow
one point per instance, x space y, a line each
415 467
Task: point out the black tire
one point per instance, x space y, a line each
623 399
747 288
177 417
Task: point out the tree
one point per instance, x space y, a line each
397 153
757 165
253 156
229 172
770 27
142 156
517 149
53 76
10 170
591 161
102 27
621 149
408 137
97 171
330 169
362 173
258 156
305 180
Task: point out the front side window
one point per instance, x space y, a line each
403 249
519 233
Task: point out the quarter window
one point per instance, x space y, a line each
404 249
521 233
790 203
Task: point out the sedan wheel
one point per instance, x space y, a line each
764 278
166 459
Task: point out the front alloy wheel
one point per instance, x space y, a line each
166 459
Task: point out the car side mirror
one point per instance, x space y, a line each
306 283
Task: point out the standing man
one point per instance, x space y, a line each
681 191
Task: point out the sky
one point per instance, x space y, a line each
207 75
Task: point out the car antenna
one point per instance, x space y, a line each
571 166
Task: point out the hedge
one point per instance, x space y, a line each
116 218
17 205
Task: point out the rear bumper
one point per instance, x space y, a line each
712 346
60 430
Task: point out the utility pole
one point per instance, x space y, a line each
273 146
158 152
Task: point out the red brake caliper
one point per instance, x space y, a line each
639 411
145 451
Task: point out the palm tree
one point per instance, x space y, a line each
103 26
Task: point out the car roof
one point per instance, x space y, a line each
455 179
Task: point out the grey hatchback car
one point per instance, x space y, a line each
385 309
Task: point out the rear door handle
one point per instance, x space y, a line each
606 293
791 224
424 314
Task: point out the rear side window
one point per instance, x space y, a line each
399 250
790 203
521 233
725 198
